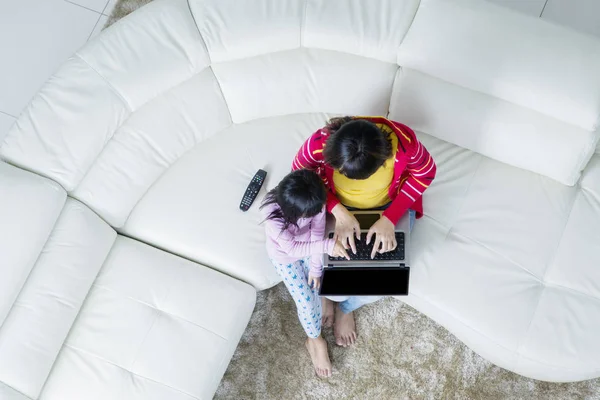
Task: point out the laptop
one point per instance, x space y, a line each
386 275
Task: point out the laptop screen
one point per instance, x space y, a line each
365 281
366 221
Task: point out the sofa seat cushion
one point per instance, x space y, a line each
28 218
153 326
88 314
504 259
193 209
51 293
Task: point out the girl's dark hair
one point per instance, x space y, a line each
301 194
356 147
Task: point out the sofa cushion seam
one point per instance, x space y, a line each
107 82
64 341
80 350
158 310
16 390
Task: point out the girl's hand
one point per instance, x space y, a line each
346 227
314 282
384 236
339 250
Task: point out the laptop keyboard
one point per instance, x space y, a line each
363 251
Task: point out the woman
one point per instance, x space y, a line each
366 163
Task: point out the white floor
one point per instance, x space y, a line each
36 36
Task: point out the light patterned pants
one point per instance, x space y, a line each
307 300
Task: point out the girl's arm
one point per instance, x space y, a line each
294 248
317 232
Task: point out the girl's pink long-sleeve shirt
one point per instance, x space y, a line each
298 242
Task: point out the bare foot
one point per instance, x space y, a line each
344 328
327 307
317 348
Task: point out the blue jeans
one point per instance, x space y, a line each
351 303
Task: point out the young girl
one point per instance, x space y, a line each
295 226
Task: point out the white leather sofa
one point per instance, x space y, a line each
128 270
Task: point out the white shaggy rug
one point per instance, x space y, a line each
400 354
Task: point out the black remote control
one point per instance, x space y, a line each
253 189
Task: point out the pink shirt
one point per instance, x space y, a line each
295 243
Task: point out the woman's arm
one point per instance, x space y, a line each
421 171
310 155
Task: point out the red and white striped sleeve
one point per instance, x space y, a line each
421 171
309 156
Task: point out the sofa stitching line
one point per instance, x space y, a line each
452 230
159 310
409 26
499 254
303 23
210 61
112 134
143 341
157 315
167 168
37 259
87 295
143 135
149 242
107 82
562 234
12 388
546 284
466 192
90 354
573 291
199 33
585 156
222 92
398 72
525 337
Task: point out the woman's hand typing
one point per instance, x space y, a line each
385 237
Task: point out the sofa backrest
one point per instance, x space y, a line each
51 249
520 90
506 85
174 73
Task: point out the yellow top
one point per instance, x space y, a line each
373 191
